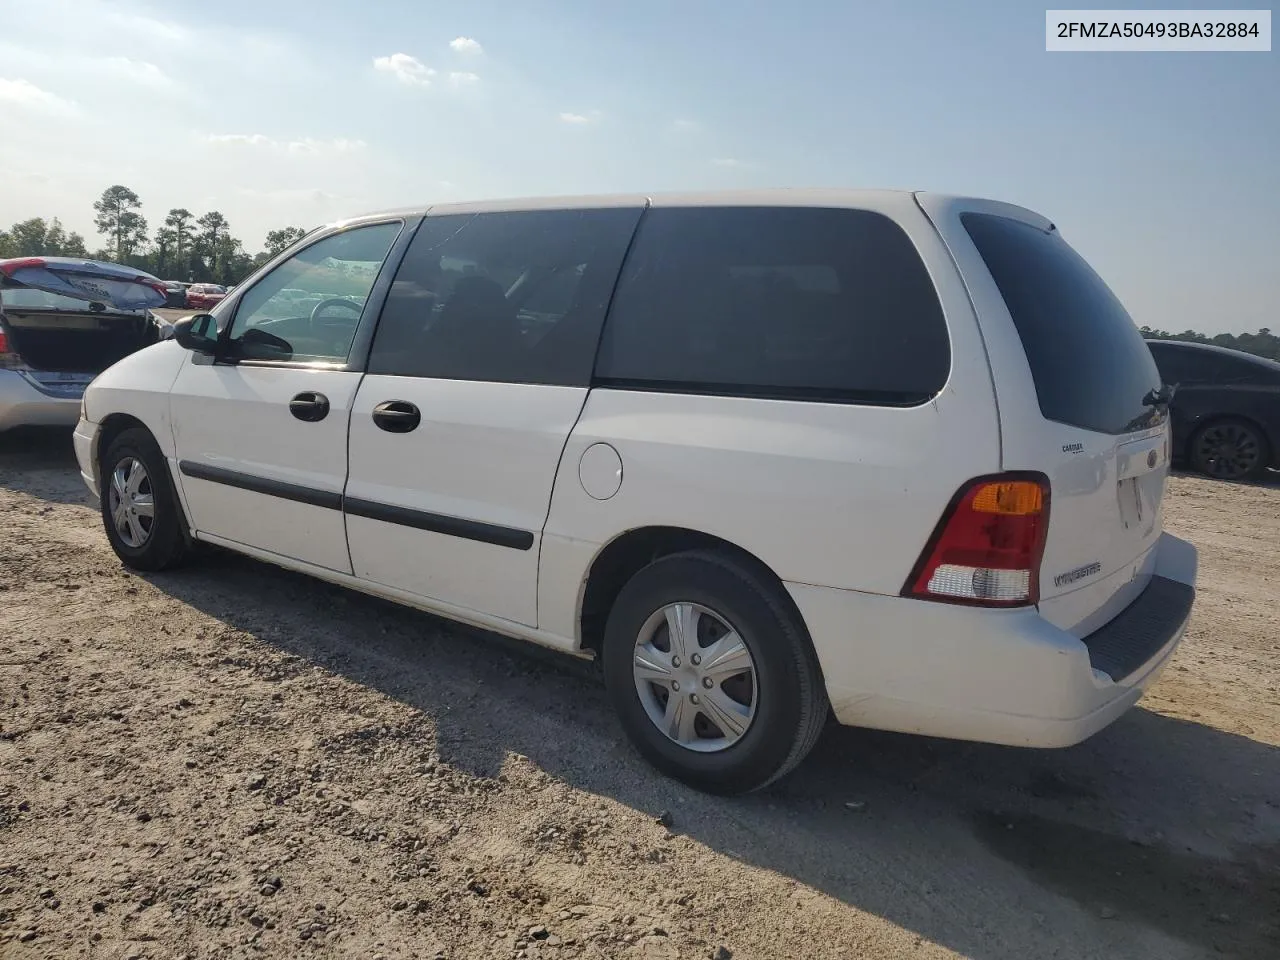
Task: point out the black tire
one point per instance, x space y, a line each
1229 449
790 697
165 542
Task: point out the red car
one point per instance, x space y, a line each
202 296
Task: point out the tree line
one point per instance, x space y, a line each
1264 343
194 249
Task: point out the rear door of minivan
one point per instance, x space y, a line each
1079 397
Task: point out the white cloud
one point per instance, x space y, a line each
291 195
241 139
459 78
339 145
137 23
686 125
26 94
466 45
728 162
307 145
406 69
578 119
139 71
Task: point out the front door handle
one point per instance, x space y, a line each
310 406
397 416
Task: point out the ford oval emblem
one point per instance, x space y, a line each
1151 458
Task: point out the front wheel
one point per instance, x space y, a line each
1230 450
140 509
711 675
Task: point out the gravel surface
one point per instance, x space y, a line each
235 761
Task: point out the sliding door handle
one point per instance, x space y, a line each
397 416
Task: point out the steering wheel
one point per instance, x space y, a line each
318 309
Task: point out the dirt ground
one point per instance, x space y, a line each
235 761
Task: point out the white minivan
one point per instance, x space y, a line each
770 457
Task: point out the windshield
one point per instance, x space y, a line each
30 298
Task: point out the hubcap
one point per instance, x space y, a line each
1228 450
695 677
131 502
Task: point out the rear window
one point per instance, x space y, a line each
777 302
1091 367
1177 365
32 299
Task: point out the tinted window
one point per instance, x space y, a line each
1091 366
32 298
1226 368
1184 364
777 302
511 297
313 301
1175 364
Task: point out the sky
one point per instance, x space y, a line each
1162 169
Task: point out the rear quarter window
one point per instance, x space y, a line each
1090 365
1180 364
828 305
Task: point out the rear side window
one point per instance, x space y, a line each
778 302
1091 367
1226 368
1192 364
510 297
1179 365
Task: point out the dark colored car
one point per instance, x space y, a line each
1226 408
175 294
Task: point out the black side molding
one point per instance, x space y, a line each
273 488
492 533
439 523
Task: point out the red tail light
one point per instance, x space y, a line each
8 359
987 548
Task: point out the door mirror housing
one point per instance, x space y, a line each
199 334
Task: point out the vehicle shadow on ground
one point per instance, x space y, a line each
41 462
967 845
970 846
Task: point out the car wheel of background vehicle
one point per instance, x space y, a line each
1230 450
711 674
140 509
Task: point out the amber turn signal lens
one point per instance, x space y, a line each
1019 498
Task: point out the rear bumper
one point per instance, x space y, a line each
997 676
22 405
85 441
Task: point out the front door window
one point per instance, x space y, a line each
308 307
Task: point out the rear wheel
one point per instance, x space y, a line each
140 509
711 675
1230 450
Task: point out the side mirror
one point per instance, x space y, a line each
199 334
255 344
